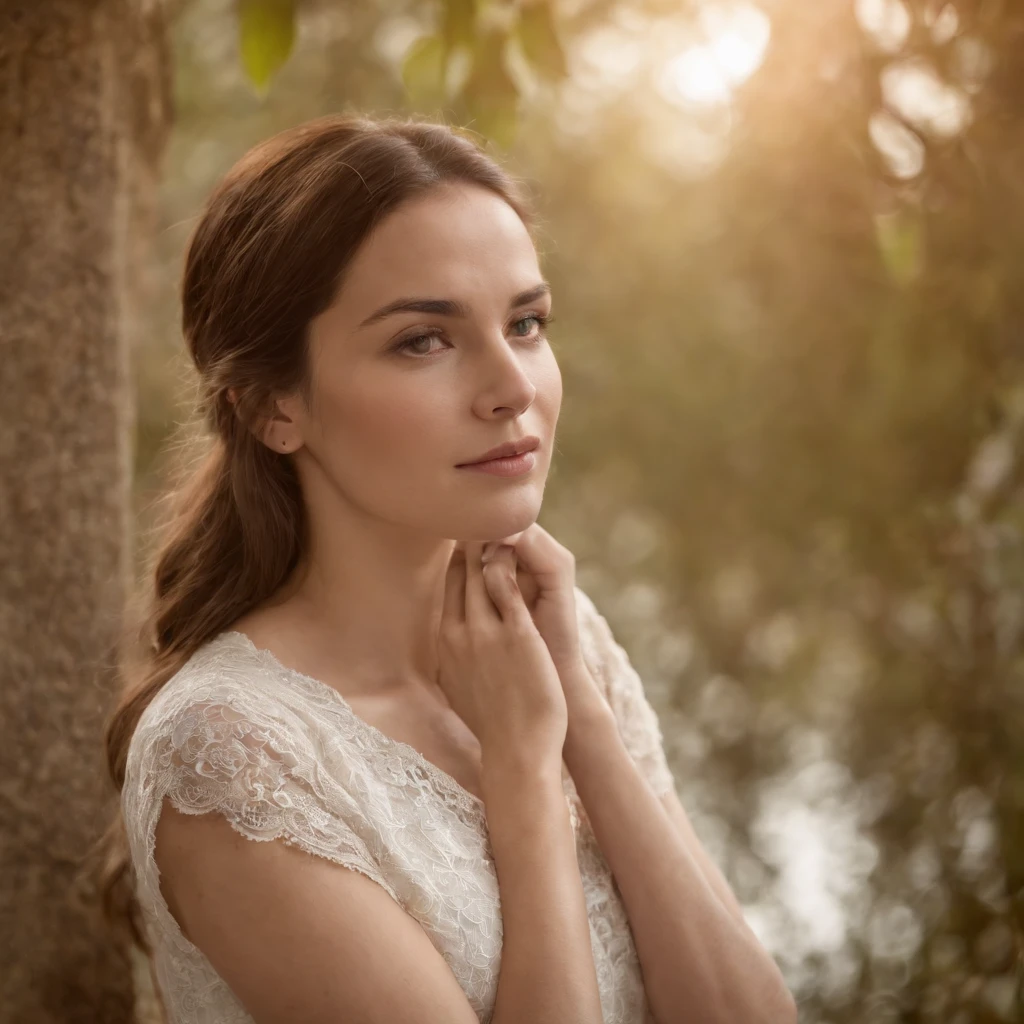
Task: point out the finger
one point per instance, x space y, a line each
454 607
479 606
550 564
503 587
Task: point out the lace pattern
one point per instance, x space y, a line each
283 756
624 690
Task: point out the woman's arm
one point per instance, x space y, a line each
298 937
267 870
701 962
547 964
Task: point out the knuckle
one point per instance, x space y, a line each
520 629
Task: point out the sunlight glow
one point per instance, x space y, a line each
901 149
914 90
736 37
944 25
887 21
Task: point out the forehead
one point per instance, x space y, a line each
448 244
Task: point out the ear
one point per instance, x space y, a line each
282 432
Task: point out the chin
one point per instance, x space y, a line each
498 526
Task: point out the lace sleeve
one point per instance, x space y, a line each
623 689
228 754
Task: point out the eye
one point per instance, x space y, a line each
542 320
407 344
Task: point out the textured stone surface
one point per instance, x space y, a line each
83 115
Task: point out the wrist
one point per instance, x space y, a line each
507 775
582 693
591 725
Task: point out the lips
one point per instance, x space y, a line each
509 448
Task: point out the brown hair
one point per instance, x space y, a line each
267 255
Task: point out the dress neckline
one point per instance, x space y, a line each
442 779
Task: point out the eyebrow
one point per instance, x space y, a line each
448 307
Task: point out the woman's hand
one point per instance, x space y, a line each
546 573
495 670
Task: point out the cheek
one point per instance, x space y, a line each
399 424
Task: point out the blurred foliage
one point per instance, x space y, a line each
786 245
266 32
465 59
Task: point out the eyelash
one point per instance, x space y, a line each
542 321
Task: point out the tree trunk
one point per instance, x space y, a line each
84 111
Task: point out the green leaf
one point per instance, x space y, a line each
490 93
266 32
900 243
423 70
458 25
539 40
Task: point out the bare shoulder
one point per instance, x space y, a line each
297 936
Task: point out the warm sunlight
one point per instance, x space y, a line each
735 39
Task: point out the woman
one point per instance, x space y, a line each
329 673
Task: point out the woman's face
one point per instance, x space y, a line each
401 397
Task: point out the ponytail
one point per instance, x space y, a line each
232 537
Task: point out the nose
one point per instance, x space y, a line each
507 380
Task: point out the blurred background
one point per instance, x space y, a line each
786 244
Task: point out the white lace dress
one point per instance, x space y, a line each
283 756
